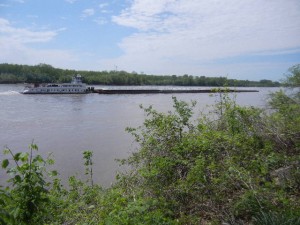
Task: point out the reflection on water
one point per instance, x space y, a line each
67 125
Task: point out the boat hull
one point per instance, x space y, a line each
33 93
54 91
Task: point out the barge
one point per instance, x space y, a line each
156 91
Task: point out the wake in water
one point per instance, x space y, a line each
9 93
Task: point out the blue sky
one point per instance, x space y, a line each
249 39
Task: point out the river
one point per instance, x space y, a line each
67 125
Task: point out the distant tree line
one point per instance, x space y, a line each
44 73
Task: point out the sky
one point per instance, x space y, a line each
249 39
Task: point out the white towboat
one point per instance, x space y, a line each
75 87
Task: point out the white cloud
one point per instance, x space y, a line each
23 36
32 16
15 46
87 13
100 21
183 32
103 5
19 1
71 1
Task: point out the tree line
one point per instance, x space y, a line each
44 73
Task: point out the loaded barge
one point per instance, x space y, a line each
151 91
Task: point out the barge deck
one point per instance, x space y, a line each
156 91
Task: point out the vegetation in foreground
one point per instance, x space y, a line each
44 73
237 165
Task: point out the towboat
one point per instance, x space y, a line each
75 87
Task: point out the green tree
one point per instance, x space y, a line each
293 78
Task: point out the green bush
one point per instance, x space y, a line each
25 199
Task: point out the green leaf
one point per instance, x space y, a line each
38 158
18 178
53 173
23 156
6 151
17 156
34 147
5 163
